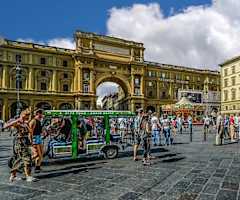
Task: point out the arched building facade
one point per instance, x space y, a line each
57 78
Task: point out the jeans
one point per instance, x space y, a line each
146 146
155 137
167 135
226 133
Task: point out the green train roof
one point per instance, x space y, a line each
88 113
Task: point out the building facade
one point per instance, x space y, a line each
57 78
230 86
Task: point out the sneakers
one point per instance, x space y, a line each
14 178
146 163
30 179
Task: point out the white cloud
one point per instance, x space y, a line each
62 42
67 43
107 88
199 36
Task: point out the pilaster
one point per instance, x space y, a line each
54 81
91 81
5 109
142 85
31 79
5 76
158 90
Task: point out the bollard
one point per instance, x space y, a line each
190 126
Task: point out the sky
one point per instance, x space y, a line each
192 33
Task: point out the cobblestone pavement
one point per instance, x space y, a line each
184 171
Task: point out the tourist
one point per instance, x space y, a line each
190 125
82 131
146 139
206 125
65 129
1 125
236 126
219 127
138 132
226 126
36 138
174 127
180 124
155 130
23 144
239 126
165 123
232 129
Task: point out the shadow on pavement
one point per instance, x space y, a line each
176 143
68 170
174 159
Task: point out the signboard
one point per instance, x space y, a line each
88 113
195 97
112 49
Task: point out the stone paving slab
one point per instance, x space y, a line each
185 171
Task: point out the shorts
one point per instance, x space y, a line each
37 139
137 139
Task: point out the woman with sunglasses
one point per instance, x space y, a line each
23 144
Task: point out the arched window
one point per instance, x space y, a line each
65 81
14 108
43 80
21 77
44 105
65 106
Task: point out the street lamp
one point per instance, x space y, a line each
18 79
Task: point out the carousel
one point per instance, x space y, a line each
185 108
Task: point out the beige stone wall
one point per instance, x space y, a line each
230 87
61 76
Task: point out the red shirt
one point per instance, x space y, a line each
231 120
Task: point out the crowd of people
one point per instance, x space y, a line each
228 127
146 129
149 128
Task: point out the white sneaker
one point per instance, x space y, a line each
14 178
30 179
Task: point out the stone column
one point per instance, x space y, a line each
170 90
4 109
132 106
31 79
91 82
132 54
54 81
132 84
141 55
158 90
5 77
142 85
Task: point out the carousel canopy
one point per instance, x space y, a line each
184 103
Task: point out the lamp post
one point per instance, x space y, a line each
18 78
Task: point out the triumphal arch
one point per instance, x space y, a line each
100 59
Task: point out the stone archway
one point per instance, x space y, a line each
44 105
120 80
65 106
13 111
151 108
121 99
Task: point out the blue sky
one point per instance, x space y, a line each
46 19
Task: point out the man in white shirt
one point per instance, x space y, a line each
236 123
206 124
155 130
180 124
219 127
166 129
